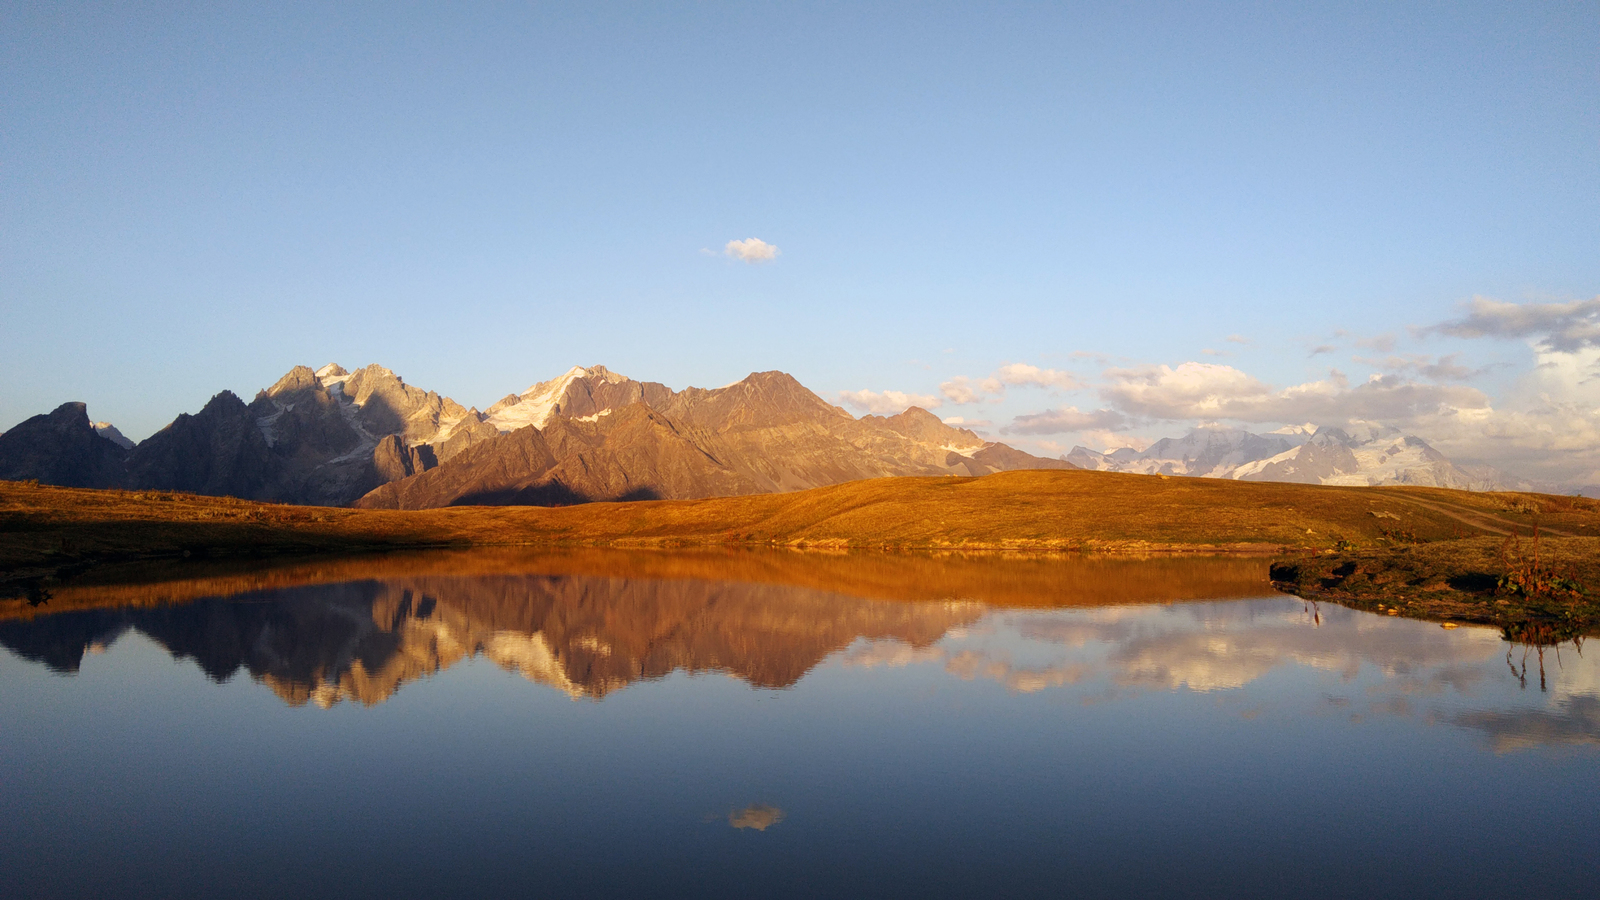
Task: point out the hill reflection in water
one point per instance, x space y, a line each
587 623
890 726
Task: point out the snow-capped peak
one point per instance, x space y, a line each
537 404
1306 430
110 433
331 375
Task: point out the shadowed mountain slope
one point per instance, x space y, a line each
63 448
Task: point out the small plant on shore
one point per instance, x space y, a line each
1525 576
1401 536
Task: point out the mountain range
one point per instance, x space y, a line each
334 437
1305 454
366 438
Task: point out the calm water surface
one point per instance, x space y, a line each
721 726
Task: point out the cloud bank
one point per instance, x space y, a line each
885 403
1559 327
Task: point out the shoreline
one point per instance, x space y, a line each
1425 552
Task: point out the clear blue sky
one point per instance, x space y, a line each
199 196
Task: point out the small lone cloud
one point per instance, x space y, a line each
1237 339
1023 374
759 816
751 250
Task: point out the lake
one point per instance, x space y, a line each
786 725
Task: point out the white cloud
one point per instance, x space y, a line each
751 250
1445 368
1197 390
959 390
1066 419
1548 426
1021 374
1108 441
1237 339
961 422
888 402
962 389
1560 327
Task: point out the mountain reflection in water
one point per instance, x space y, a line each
891 726
1106 623
585 623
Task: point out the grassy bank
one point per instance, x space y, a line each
1402 540
1539 591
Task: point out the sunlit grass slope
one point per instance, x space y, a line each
45 527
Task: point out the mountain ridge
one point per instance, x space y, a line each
1375 455
332 437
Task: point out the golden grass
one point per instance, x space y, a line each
42 528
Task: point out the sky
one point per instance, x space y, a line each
1060 224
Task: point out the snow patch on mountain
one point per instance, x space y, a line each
535 405
110 433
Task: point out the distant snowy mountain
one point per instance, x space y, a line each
110 433
1373 455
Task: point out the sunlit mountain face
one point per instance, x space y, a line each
663 724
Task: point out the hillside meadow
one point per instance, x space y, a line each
1426 551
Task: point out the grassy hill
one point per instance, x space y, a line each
1426 551
1039 510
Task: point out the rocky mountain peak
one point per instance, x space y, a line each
61 447
299 378
919 424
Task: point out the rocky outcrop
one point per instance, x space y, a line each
63 448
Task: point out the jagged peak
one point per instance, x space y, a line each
560 382
224 400
298 378
332 370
